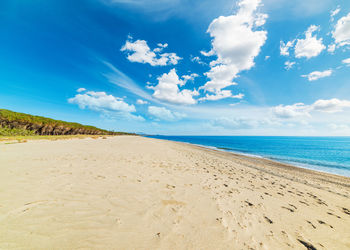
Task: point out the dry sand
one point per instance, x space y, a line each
139 193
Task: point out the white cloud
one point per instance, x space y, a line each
300 109
334 13
260 19
310 46
107 104
81 90
101 101
190 77
346 61
331 48
266 58
341 33
162 113
332 106
161 46
197 59
288 65
209 53
318 74
141 102
221 77
168 90
139 51
234 55
284 47
221 95
288 111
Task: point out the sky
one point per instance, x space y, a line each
180 67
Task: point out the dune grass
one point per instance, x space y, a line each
27 118
20 124
5 131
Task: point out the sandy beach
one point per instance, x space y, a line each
130 192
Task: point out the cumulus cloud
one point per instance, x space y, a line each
284 47
234 55
107 104
141 102
168 90
101 101
346 61
341 33
162 113
300 109
288 65
310 46
190 77
313 76
81 90
139 51
332 106
221 77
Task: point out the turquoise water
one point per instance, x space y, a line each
326 154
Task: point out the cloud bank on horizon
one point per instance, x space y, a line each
249 70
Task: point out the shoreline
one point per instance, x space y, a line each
133 192
323 176
291 164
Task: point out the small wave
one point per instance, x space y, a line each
311 162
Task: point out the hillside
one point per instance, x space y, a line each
14 123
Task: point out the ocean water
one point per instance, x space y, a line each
326 154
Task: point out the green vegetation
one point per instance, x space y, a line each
20 124
15 131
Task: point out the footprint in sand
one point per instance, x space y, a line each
268 220
308 245
291 210
324 223
249 203
334 215
311 224
346 211
305 203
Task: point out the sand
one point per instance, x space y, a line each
131 192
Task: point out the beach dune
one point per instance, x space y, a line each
131 192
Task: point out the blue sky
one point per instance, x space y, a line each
246 67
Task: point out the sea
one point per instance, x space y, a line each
325 154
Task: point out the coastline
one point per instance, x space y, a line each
303 165
297 173
345 180
133 192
